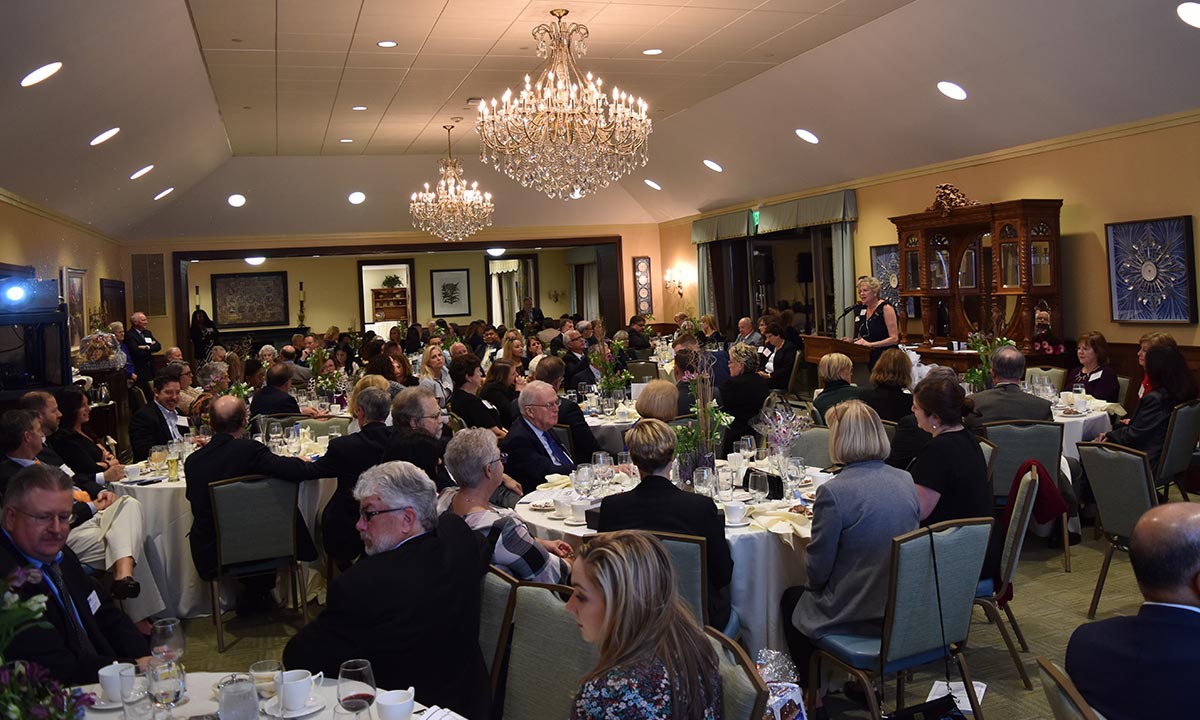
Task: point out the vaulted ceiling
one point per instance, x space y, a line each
256 97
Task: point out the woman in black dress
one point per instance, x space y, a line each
891 378
80 451
876 325
464 401
500 389
204 335
1173 383
743 394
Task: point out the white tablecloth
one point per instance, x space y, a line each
1081 428
168 519
609 432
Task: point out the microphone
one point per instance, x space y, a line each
849 309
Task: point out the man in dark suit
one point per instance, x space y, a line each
529 318
575 355
780 358
1006 400
533 451
1142 666
86 629
158 422
558 343
656 504
141 345
228 455
412 605
46 407
583 441
637 333
586 372
275 397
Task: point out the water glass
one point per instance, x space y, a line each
168 682
748 445
608 406
275 431
758 486
795 475
238 698
704 481
726 479
135 694
158 457
356 683
166 639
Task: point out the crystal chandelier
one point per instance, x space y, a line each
453 211
562 135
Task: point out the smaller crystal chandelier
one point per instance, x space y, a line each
453 211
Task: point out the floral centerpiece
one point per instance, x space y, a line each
984 344
696 440
612 377
780 425
241 390
100 351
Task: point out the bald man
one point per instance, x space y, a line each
1142 666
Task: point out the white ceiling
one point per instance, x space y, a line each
252 96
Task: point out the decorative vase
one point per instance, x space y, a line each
689 461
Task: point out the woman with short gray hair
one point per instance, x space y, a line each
743 394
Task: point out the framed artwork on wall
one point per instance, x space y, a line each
643 295
1152 270
451 290
73 282
250 300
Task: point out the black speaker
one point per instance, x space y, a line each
804 268
764 269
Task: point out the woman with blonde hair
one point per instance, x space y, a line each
512 349
367 381
655 661
835 370
659 400
876 325
710 334
435 375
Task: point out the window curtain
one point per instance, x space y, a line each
707 289
722 227
828 209
845 292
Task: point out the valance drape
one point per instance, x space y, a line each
722 227
835 207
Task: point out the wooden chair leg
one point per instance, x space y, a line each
1179 484
993 612
814 680
1012 620
215 594
969 686
869 690
1066 544
1112 546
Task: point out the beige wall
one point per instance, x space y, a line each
679 255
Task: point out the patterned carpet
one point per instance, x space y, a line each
1049 604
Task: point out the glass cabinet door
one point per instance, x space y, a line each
1010 266
1039 263
912 263
939 269
967 278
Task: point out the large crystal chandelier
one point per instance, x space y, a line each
562 135
453 211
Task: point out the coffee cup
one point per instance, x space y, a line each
294 687
622 413
579 510
110 681
132 472
735 512
1066 397
562 506
395 704
1081 403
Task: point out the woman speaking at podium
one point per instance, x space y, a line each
875 324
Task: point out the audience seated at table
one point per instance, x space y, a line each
412 605
834 370
909 437
301 372
687 364
367 381
656 504
188 392
157 422
583 440
213 378
475 462
718 367
1173 383
588 373
655 661
1147 341
658 400
747 334
891 377
533 352
533 450
855 516
709 333
744 394
1143 666
275 397
435 375
1098 378
500 388
779 357
1006 400
267 355
91 465
388 368
254 375
637 333
464 401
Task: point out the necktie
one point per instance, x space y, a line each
559 455
55 574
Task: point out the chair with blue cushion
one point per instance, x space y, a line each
744 695
912 634
497 600
689 556
988 595
548 658
1057 376
1016 442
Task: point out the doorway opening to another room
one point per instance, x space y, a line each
511 279
386 294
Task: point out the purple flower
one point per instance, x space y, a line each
39 712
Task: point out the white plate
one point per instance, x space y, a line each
271 708
743 523
556 516
574 523
105 704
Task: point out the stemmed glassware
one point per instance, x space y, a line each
758 486
602 468
166 639
583 480
356 683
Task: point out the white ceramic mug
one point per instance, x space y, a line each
1067 398
562 506
133 471
735 512
110 681
395 704
294 687
579 510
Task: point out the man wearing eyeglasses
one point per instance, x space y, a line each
86 630
412 605
533 450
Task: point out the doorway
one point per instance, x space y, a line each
511 279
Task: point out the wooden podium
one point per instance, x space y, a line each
817 346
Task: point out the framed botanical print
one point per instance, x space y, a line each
451 292
1152 270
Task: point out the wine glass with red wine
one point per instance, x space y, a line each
356 681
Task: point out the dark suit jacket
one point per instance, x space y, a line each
421 449
528 462
1137 667
637 340
572 364
140 349
889 401
909 440
742 397
781 371
656 504
583 440
1007 402
583 374
1147 430
222 458
347 457
113 635
273 401
9 467
78 452
530 323
148 428
414 613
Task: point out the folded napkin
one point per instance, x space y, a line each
555 481
433 712
775 518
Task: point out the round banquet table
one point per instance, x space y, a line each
609 432
168 519
1081 428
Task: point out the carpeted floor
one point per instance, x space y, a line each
1049 605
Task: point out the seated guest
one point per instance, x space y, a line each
745 393
747 334
835 370
855 517
533 450
402 371
435 375
588 372
237 368
891 376
217 354
214 381
82 630
458 349
1173 384
1147 341
553 335
158 422
574 355
346 458
500 388
550 371
488 349
656 504
909 437
1098 378
658 400
301 373
514 351
118 330
718 368
172 354
477 466
417 433
91 465
188 392
1006 400
412 605
950 471
780 357
367 381
267 355
275 398
343 359
465 402
230 454
1141 666
655 661
255 374
684 371
412 338
709 333
533 352
637 333
385 366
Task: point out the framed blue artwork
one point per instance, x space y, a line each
1152 270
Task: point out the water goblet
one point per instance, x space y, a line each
582 483
758 486
166 639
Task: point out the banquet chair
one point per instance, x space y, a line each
813 445
454 422
641 369
689 556
1066 703
912 634
988 448
285 420
319 427
1122 390
548 658
255 521
1124 490
1057 375
562 433
497 598
889 429
1178 447
990 597
744 695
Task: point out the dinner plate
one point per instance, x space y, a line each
809 496
574 523
271 708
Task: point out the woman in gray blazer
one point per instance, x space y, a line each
855 517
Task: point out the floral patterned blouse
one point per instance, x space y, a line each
637 692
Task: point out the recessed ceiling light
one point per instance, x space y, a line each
386 43
1189 12
652 51
359 108
652 184
237 200
107 134
141 172
713 166
356 198
255 260
951 90
495 252
346 140
807 136
164 193
46 71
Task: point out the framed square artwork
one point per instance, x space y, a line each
1152 270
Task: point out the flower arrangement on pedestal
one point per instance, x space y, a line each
696 440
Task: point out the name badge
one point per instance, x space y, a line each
1095 376
93 602
147 337
67 470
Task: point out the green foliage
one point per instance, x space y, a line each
984 344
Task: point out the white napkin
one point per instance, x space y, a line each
433 712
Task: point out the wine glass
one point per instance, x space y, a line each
166 639
167 683
356 683
158 457
353 710
758 486
583 480
275 432
795 474
602 467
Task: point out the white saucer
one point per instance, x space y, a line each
105 704
743 523
574 523
271 708
556 516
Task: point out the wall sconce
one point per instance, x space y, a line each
674 281
556 295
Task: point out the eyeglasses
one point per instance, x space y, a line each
502 458
367 515
63 519
556 402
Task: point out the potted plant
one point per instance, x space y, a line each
391 281
983 343
696 440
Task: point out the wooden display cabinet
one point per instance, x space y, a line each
389 304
